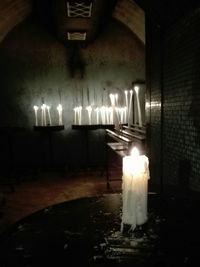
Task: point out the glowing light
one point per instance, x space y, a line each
43 108
36 116
136 88
49 115
89 109
130 108
134 152
134 189
60 109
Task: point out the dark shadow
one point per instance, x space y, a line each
76 63
184 174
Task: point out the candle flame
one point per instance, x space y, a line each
59 108
135 152
89 108
136 88
35 108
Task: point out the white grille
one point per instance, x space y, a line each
81 10
78 36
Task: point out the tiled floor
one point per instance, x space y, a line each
45 189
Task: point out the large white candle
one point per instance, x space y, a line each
134 189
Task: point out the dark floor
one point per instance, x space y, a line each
53 218
35 191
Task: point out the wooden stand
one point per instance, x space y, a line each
121 142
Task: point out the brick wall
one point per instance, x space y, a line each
153 105
179 81
182 102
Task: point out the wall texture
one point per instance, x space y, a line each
35 67
174 84
154 92
182 102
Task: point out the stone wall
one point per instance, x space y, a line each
35 67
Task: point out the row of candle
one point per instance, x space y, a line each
113 114
46 115
102 115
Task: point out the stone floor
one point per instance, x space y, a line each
74 217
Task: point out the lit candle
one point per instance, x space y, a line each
107 115
113 98
130 109
136 88
125 114
75 115
103 114
49 115
36 118
120 112
116 100
89 109
134 189
59 108
97 112
110 115
43 108
126 103
79 115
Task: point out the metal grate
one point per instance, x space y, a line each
79 9
77 36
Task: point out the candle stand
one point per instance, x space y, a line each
85 129
46 136
9 173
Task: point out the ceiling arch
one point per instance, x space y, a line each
12 12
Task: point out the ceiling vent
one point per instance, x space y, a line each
79 9
76 36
